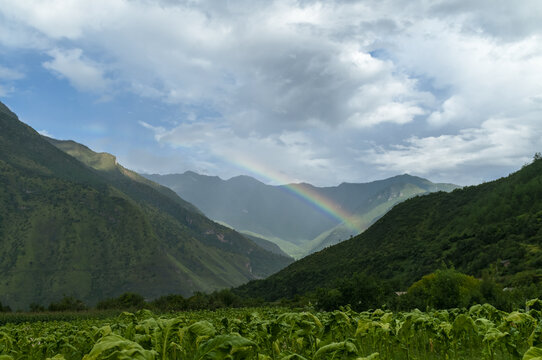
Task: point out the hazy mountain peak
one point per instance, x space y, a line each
299 224
244 178
193 173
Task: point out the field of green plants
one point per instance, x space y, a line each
481 332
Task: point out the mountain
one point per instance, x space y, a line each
93 230
128 181
493 227
136 185
292 216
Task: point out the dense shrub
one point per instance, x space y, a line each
444 289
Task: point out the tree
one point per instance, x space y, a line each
329 299
360 291
170 303
68 303
444 289
124 302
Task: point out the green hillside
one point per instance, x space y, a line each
149 193
96 230
494 227
278 214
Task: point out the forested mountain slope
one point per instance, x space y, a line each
495 226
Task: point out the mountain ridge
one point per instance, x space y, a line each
292 215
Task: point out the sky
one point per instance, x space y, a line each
287 91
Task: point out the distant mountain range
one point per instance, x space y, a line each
300 218
494 227
74 222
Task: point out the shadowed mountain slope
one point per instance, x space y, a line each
94 230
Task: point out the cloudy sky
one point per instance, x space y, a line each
322 92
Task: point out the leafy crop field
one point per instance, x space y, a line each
481 332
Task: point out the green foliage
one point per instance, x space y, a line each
226 347
534 353
480 332
443 289
343 350
115 347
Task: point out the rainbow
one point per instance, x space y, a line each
302 191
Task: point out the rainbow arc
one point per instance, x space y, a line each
302 191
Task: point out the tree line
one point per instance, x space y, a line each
443 289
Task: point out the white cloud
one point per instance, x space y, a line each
397 113
499 142
503 19
484 77
82 73
282 61
453 108
58 19
291 156
45 133
406 83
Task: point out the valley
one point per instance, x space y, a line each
74 222
299 218
270 180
